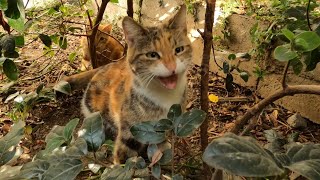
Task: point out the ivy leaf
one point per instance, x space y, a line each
46 40
288 34
163 125
185 124
156 171
174 111
11 139
145 133
240 156
63 87
284 53
307 41
245 76
296 65
92 130
10 69
69 128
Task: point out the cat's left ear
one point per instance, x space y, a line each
179 21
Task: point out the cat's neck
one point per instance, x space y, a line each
160 95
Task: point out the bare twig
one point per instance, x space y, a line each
288 91
94 32
130 8
308 18
139 11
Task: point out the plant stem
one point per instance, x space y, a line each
130 8
308 18
288 91
92 47
284 75
172 148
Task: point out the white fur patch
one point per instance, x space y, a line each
163 71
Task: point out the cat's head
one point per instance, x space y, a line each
159 54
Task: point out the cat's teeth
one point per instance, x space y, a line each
169 82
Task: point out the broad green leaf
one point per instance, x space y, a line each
185 124
135 162
232 57
8 43
177 177
156 170
63 42
174 111
53 143
240 156
163 125
3 5
6 156
63 87
305 160
166 157
284 53
92 130
10 69
9 171
66 169
288 34
152 149
72 56
271 135
245 76
19 41
229 82
117 173
46 40
296 65
11 139
307 41
69 128
226 67
145 133
15 14
311 59
33 169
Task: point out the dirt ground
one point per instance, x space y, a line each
36 68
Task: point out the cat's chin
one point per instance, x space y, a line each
169 82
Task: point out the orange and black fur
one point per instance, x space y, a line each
143 85
107 48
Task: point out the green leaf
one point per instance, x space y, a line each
33 169
63 42
232 57
226 67
69 128
92 130
10 69
245 76
311 59
8 43
114 1
296 65
54 139
11 139
240 156
135 162
15 14
46 40
72 56
117 173
19 41
305 160
271 135
174 111
152 149
66 169
145 133
288 34
229 82
63 87
3 5
184 125
284 53
166 157
156 171
163 125
177 177
307 41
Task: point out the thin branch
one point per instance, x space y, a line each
284 75
139 11
308 18
288 91
94 32
130 8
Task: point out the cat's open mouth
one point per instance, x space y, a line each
169 82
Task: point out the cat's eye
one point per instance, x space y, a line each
179 49
153 55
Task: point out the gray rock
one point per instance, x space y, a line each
297 121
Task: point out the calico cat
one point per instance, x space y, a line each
142 86
107 48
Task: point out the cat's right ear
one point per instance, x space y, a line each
131 29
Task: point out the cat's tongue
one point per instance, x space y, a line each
169 82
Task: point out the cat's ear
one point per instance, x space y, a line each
106 28
132 29
179 21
